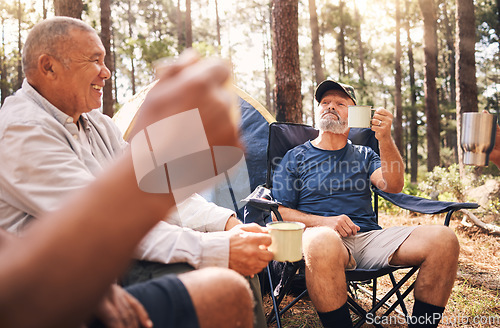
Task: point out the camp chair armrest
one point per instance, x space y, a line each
423 205
262 199
263 204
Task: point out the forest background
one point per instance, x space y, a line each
428 61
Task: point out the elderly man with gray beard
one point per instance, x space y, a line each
342 233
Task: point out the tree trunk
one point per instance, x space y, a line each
431 104
115 84
450 43
313 105
70 8
361 52
319 75
19 46
3 77
451 137
273 52
413 98
286 57
265 55
130 20
398 117
466 66
107 97
44 9
218 24
180 35
341 40
189 28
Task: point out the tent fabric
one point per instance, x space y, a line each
126 115
254 132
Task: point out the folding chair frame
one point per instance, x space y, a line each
351 277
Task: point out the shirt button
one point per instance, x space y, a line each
75 136
69 120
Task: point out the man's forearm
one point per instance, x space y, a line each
310 220
201 215
92 236
392 166
166 243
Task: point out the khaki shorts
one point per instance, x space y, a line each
374 249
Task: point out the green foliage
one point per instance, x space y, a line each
474 301
205 49
443 180
154 50
487 21
446 183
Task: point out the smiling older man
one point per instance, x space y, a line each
54 140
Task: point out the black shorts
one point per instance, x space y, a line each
167 302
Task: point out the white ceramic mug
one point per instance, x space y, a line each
286 240
359 116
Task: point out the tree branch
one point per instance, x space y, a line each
491 228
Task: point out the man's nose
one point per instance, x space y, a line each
105 72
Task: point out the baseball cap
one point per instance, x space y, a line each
332 85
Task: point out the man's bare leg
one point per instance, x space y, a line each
436 250
221 297
326 259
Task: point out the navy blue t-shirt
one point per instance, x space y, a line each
328 182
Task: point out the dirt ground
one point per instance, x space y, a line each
475 299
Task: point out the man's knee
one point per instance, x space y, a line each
234 283
449 242
325 245
441 243
443 238
220 295
220 281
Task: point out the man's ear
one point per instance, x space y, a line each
46 65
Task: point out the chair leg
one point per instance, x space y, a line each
283 291
398 295
288 285
292 303
356 308
403 296
275 305
394 290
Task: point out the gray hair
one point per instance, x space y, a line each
48 37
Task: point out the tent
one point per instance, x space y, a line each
254 133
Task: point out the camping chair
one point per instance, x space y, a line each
285 136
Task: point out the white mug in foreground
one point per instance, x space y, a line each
359 116
286 240
478 137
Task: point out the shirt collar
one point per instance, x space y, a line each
31 93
